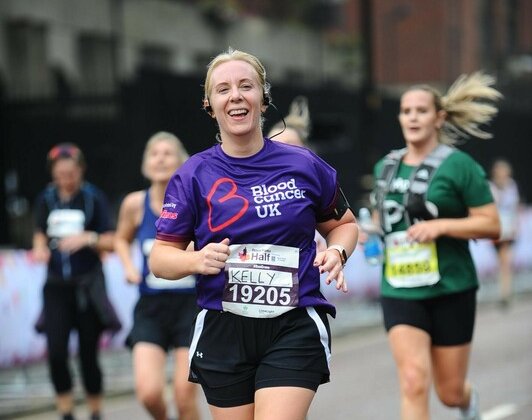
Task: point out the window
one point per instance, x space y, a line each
28 72
155 57
96 59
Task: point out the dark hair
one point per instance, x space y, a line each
65 151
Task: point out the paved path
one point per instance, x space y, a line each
364 383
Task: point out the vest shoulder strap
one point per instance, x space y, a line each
88 198
389 169
419 179
87 192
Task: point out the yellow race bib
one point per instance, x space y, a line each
410 264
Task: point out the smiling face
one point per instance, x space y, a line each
161 160
419 119
236 98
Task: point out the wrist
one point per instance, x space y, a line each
341 250
93 239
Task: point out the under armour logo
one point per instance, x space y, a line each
423 174
199 354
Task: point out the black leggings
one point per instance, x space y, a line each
62 315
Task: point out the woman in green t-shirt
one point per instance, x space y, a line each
430 199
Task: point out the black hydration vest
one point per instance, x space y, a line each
415 199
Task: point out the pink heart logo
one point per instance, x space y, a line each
218 204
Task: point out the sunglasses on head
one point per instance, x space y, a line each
64 151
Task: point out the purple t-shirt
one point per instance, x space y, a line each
273 197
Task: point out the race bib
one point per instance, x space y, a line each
261 281
410 264
159 283
65 222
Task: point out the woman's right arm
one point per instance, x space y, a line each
40 250
172 261
128 221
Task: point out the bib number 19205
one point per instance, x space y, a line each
246 293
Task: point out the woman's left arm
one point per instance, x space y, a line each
341 233
481 222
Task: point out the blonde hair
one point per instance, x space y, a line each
298 119
232 55
167 137
468 105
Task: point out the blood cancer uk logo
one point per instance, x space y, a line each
225 205
269 197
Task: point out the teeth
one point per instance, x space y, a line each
237 112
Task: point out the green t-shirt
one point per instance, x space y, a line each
458 184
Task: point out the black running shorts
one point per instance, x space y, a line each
448 319
164 319
232 356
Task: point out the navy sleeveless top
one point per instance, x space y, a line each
151 285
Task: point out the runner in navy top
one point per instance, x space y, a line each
166 309
72 228
261 344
